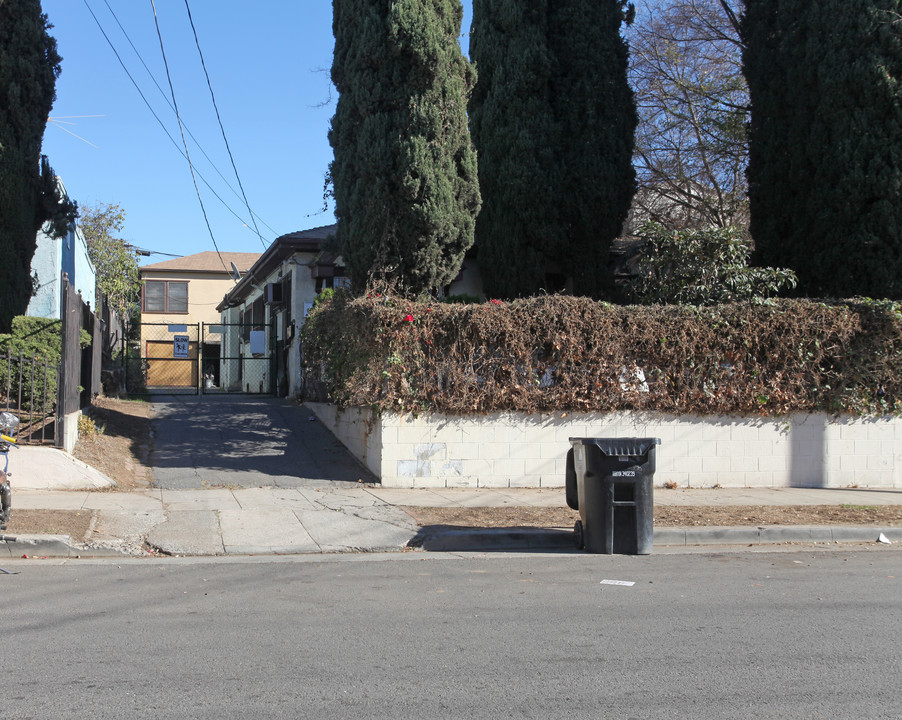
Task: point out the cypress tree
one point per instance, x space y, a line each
514 131
404 172
552 118
825 147
596 114
29 66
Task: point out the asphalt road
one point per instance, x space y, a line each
808 634
244 441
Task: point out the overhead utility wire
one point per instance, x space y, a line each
182 130
59 121
157 117
187 129
219 120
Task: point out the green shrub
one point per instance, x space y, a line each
32 343
87 427
701 267
461 299
324 296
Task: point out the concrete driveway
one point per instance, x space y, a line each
245 441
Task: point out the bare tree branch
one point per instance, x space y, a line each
693 107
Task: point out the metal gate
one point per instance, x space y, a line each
198 358
237 358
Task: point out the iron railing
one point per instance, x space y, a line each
28 389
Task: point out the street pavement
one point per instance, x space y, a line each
725 635
244 441
256 476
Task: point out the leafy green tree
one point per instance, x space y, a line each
825 145
701 267
114 261
553 119
404 172
29 192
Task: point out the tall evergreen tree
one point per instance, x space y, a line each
825 146
515 134
596 115
29 66
404 173
553 119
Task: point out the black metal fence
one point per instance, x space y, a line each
161 357
46 389
238 358
28 389
79 373
198 358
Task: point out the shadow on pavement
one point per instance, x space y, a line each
245 442
451 538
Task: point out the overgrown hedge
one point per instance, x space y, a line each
558 353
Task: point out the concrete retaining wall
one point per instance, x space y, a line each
517 450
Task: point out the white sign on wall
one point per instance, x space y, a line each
180 345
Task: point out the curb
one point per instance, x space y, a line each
496 539
38 546
506 539
489 539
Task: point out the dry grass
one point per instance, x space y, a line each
121 447
668 516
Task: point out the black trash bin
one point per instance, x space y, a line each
610 482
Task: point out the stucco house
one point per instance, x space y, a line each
178 301
54 256
260 313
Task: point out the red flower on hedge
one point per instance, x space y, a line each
495 301
408 318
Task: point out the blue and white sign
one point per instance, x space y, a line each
180 345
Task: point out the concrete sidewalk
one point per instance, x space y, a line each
328 516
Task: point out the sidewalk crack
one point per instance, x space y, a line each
309 534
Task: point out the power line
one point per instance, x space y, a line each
187 129
182 130
219 119
157 117
147 253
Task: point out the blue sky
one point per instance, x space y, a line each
268 63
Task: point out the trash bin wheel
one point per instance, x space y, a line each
578 537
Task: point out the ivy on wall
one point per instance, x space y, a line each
560 353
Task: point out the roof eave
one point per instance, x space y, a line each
281 249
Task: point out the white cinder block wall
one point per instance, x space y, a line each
517 450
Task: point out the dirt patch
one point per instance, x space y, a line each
667 516
780 515
75 523
121 446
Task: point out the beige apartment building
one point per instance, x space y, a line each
181 335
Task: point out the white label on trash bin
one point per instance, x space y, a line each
625 583
624 473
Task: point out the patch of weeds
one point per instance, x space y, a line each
88 428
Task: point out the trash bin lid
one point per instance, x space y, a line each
619 446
